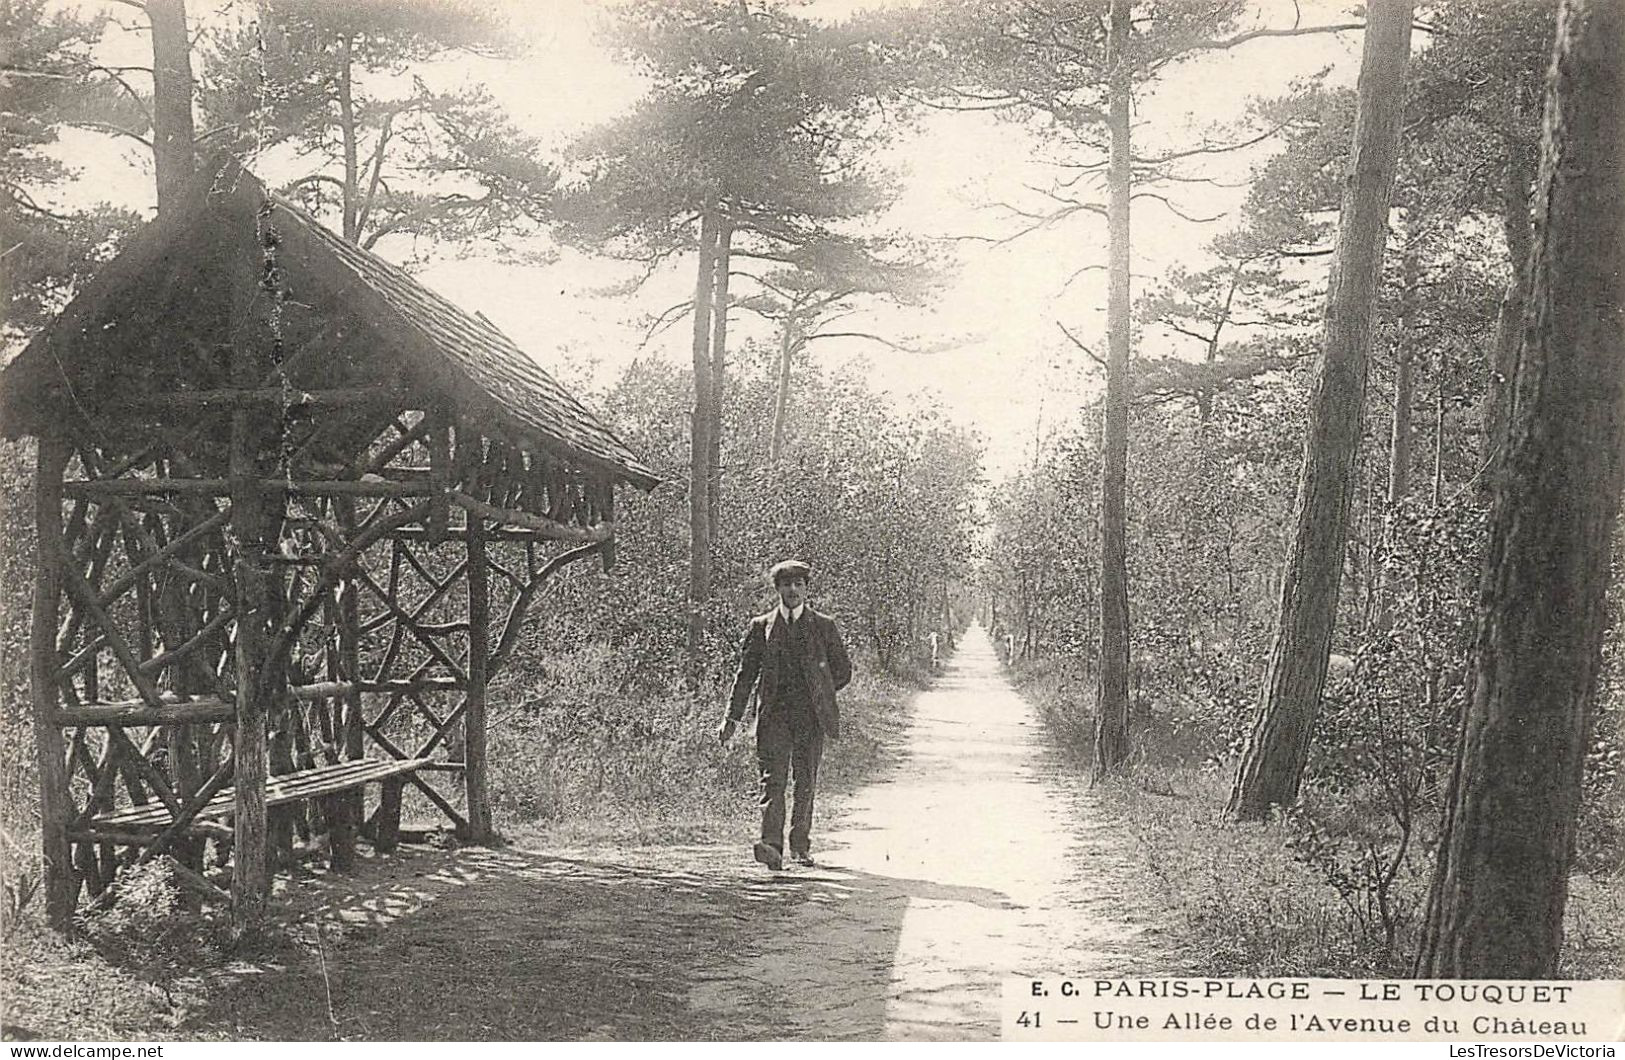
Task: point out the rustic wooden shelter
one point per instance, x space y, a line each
282 488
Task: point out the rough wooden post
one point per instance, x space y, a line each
438 440
56 803
281 821
606 512
196 679
479 649
388 821
250 880
341 831
346 822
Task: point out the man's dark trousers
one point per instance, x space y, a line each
789 742
787 747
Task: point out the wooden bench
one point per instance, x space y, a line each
322 782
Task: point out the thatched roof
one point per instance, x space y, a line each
155 320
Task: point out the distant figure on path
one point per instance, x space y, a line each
933 639
794 658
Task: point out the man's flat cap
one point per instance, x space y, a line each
790 568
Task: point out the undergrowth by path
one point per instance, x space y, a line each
1280 899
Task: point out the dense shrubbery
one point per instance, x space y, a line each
1380 759
578 753
1337 885
575 736
1062 688
879 503
1260 900
1205 532
150 931
1356 852
19 802
1252 906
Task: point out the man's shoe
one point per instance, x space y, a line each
804 859
768 855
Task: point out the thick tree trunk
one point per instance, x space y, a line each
349 134
1272 764
1111 697
173 135
1501 882
699 478
781 401
719 372
1509 324
56 801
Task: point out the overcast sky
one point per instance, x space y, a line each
1007 366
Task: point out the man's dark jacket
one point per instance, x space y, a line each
816 647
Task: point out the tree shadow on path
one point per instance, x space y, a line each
662 943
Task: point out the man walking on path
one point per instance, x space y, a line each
795 661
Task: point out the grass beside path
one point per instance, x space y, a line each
652 772
1292 897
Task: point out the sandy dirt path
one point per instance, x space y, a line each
976 859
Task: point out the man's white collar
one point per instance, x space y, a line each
789 615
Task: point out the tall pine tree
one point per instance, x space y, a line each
754 146
1501 881
388 153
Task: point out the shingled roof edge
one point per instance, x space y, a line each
574 433
623 462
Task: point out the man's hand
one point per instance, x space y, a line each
726 733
